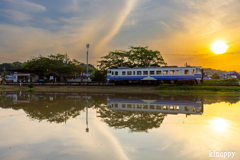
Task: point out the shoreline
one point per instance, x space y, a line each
117 89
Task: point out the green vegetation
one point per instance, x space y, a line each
99 75
135 57
9 66
30 85
220 82
215 76
199 88
59 64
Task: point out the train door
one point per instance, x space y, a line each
113 76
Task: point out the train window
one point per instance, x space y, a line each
109 71
186 108
186 72
151 72
172 107
133 72
177 71
165 72
129 72
145 72
145 106
123 105
152 107
129 106
193 71
116 105
197 70
177 108
123 72
159 72
112 73
139 72
159 107
193 109
172 71
165 107
116 73
134 105
139 106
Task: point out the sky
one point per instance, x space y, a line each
181 30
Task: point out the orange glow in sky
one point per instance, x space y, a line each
183 33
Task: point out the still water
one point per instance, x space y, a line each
117 126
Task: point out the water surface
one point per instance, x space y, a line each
117 126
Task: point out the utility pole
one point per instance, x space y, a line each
87 129
87 45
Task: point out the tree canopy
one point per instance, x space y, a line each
59 64
215 76
134 57
9 66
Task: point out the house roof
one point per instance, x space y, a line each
232 72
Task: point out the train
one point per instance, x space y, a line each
156 106
156 75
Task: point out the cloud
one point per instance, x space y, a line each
26 6
16 16
20 10
116 24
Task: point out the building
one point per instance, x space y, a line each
232 74
23 75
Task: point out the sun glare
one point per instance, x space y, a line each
219 47
219 124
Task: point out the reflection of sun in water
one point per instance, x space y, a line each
219 47
219 124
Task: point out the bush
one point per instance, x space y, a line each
30 85
220 82
99 75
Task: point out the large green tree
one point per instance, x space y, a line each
134 57
59 64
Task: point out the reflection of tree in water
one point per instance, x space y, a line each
59 110
54 112
135 121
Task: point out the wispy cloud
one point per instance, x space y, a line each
116 24
20 10
25 5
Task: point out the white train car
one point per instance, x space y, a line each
155 75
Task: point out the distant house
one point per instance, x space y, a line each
205 75
232 74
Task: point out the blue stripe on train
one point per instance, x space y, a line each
178 77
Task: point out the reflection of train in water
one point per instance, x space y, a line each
163 106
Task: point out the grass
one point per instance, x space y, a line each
200 88
89 89
220 82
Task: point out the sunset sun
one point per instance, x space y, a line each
219 47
